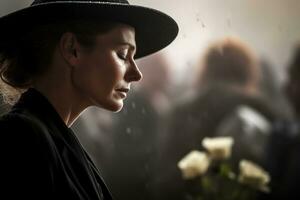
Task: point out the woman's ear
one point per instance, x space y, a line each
69 48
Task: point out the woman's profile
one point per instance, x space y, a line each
58 58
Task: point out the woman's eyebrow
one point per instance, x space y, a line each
131 46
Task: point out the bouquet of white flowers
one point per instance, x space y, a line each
214 177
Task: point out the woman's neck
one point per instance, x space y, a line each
64 103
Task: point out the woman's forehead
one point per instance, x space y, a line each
120 33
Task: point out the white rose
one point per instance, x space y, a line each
219 147
194 164
253 175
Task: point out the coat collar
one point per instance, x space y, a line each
36 103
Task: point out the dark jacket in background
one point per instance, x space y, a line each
283 161
41 158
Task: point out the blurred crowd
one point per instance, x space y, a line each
235 93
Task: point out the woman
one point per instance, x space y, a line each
65 56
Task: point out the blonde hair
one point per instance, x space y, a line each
10 94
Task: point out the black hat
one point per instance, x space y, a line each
154 29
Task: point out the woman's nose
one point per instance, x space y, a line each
133 73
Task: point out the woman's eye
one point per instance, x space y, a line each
122 55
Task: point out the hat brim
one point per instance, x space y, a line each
154 29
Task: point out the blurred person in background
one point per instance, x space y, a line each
226 102
283 150
271 88
136 132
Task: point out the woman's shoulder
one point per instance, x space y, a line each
18 121
23 130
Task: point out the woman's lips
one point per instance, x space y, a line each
123 92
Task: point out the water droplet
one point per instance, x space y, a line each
133 105
128 130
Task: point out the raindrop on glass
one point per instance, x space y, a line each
133 105
128 130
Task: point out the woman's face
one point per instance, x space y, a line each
104 74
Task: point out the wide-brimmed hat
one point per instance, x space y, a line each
154 29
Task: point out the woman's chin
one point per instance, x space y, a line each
116 107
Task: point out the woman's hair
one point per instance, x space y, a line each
29 55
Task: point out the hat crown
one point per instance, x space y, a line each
154 29
36 2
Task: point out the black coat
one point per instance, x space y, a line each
283 160
41 157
